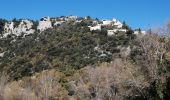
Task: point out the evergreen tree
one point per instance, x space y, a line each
125 26
2 23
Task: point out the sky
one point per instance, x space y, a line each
136 13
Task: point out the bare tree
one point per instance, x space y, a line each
3 82
153 51
110 81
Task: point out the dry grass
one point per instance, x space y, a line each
42 86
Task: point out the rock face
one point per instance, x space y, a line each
140 33
25 26
44 24
117 23
110 32
2 54
97 27
107 22
8 28
17 27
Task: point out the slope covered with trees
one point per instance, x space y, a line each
71 62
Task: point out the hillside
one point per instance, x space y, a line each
81 58
64 43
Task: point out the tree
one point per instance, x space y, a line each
168 27
106 82
2 23
125 26
16 22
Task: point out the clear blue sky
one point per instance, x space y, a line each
137 13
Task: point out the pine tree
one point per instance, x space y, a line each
125 26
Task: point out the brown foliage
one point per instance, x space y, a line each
42 86
109 81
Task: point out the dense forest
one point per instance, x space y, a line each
71 62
